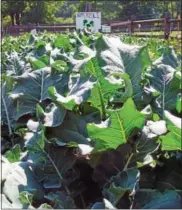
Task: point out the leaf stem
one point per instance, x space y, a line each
163 98
42 86
55 167
59 174
103 114
83 202
8 120
128 161
103 111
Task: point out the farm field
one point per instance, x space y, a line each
91 121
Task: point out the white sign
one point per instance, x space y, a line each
88 20
106 29
33 32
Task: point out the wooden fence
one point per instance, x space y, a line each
165 24
17 30
131 26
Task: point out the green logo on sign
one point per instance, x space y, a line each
88 24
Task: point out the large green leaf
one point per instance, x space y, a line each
35 143
147 143
60 66
40 47
66 135
168 175
46 60
79 91
173 119
62 41
25 197
51 162
22 178
168 57
125 181
37 64
164 85
78 58
52 116
110 162
123 122
14 154
32 88
59 160
117 57
153 199
16 66
122 96
102 90
61 200
73 129
172 140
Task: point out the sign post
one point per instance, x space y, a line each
106 29
88 20
167 25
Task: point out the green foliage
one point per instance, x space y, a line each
14 154
123 122
155 199
99 123
62 42
100 93
64 11
25 197
33 11
172 140
123 182
60 200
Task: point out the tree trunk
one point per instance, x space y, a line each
12 19
17 17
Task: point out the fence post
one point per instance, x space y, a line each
17 29
131 27
178 24
87 7
167 25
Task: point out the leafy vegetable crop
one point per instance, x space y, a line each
90 121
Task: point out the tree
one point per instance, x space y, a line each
31 11
14 9
43 11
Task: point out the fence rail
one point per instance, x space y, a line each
165 24
17 30
131 26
